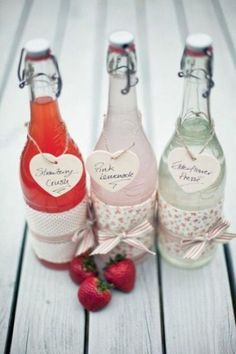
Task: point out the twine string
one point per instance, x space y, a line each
122 152
40 150
190 153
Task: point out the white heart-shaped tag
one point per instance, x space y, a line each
110 172
193 175
56 178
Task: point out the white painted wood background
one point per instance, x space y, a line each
171 310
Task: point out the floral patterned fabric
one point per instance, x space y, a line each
184 224
124 218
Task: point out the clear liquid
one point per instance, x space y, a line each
195 132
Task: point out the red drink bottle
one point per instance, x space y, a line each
51 169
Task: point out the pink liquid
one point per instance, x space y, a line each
122 128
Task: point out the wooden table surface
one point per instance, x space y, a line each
171 310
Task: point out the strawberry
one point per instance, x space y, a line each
94 294
82 267
121 272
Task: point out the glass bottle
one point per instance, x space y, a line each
123 130
190 203
47 134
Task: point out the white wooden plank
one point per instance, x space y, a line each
13 114
62 323
49 318
12 224
223 95
198 311
131 322
165 51
226 11
14 13
120 15
79 68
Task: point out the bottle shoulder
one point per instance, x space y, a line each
208 145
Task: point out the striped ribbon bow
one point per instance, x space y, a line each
85 237
110 239
195 247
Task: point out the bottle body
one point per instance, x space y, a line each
189 214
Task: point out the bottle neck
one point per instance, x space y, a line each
45 110
195 116
42 78
118 103
194 103
46 125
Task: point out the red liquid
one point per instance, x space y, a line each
47 129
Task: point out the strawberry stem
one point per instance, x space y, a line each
89 264
102 285
118 258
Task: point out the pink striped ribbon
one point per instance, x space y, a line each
110 239
196 246
85 237
217 233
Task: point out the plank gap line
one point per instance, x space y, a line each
231 276
86 332
141 18
14 45
62 19
101 20
181 19
225 29
15 293
160 293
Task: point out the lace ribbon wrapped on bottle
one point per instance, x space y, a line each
58 237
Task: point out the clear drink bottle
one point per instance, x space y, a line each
119 211
192 167
51 168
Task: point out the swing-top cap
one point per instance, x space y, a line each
198 43
121 40
37 48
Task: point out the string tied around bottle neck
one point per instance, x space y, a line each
123 151
117 156
55 162
190 153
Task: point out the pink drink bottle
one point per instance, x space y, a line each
128 208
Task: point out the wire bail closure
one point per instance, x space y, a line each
207 73
129 66
27 80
